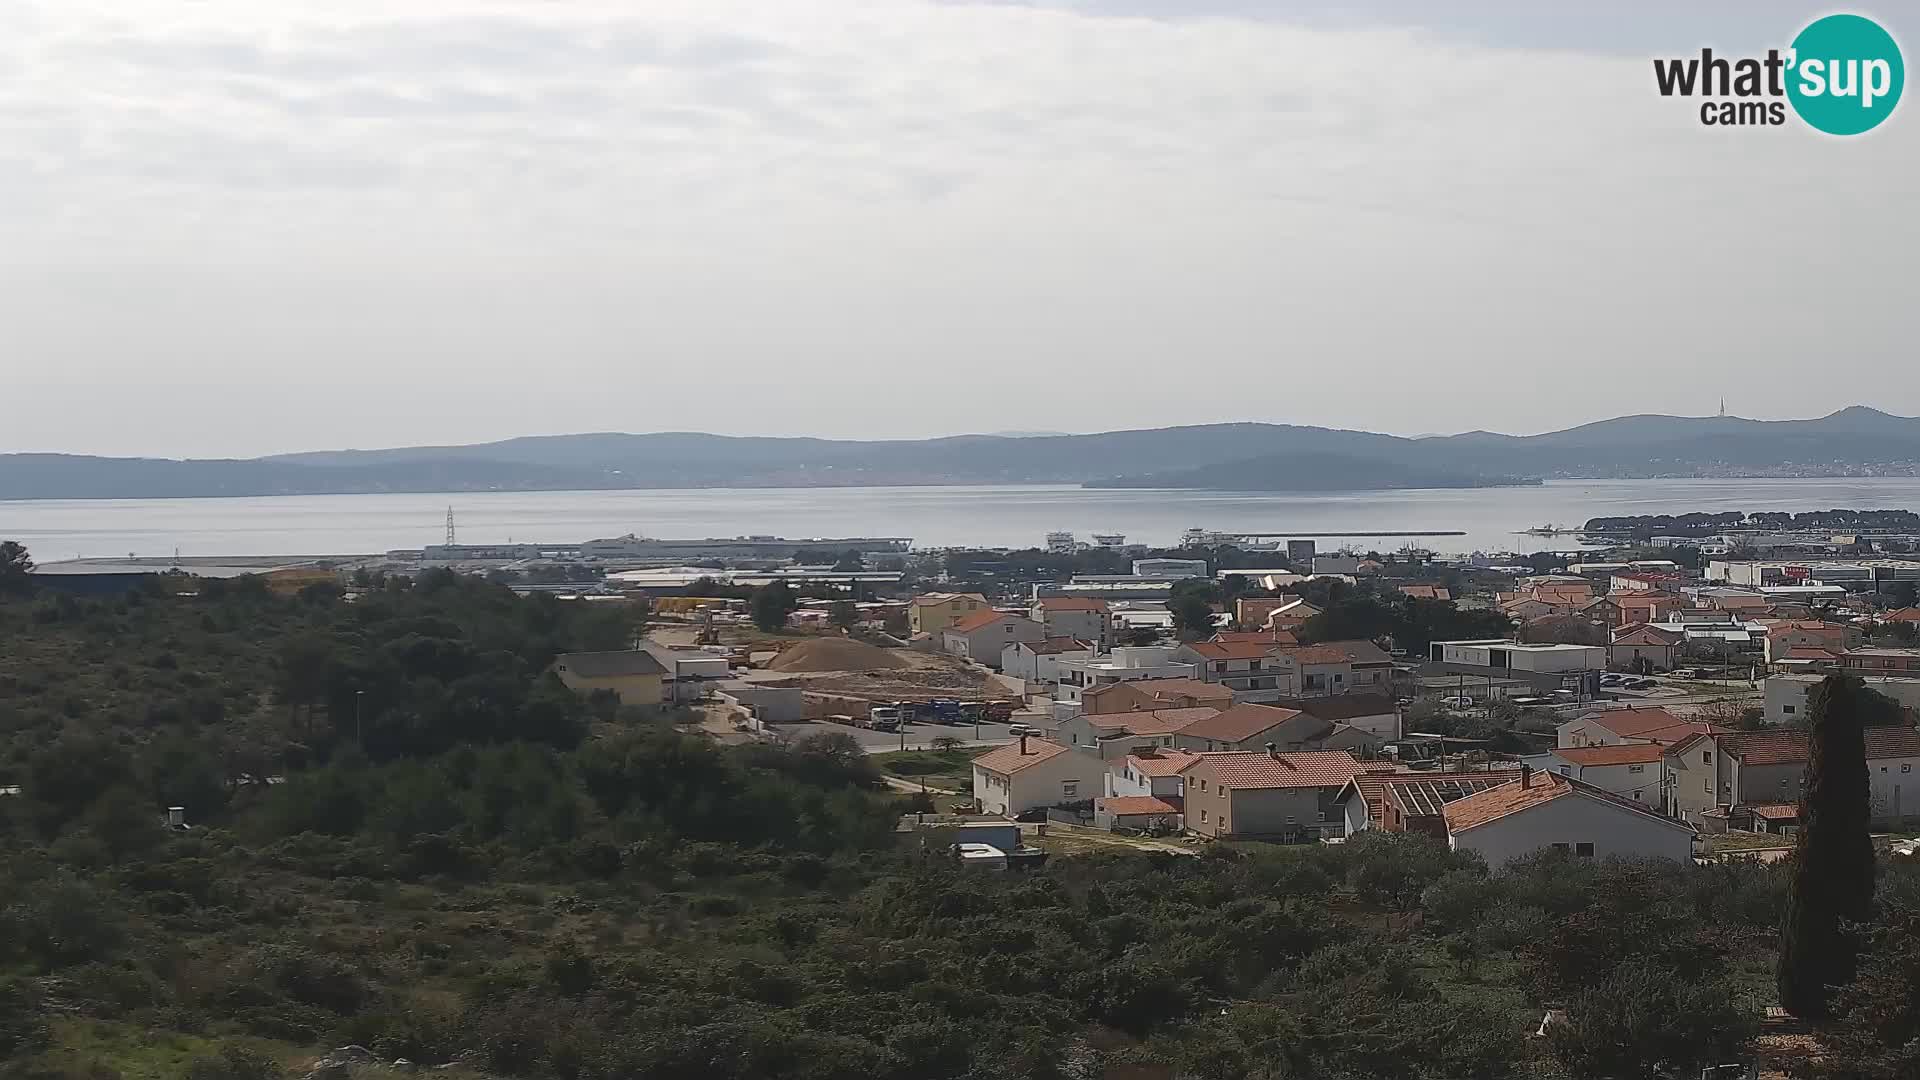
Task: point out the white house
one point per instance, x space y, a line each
1039 661
1639 724
1253 670
1022 775
1130 664
1539 811
1153 773
984 636
1630 770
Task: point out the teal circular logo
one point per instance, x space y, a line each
1845 74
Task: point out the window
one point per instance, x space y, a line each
1788 709
1636 768
1585 851
1706 757
1069 788
1560 848
1203 817
1706 785
1339 677
1222 791
1219 665
1906 768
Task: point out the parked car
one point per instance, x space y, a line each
1457 701
1017 730
1642 684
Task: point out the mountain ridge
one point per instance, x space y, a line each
1843 442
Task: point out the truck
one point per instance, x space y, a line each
883 718
942 711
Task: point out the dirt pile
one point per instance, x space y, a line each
835 654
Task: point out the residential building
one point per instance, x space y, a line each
1133 663
1629 770
1647 724
1426 592
933 612
1646 607
1785 636
1031 773
1075 617
1253 670
632 675
1604 610
1255 727
1375 714
984 636
1784 697
1154 772
1285 638
1635 582
1408 802
689 673
1908 615
1538 811
1710 777
1656 648
1364 668
1147 694
1288 796
1038 661
1878 661
1112 736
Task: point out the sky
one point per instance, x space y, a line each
231 228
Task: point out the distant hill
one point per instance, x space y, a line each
1265 457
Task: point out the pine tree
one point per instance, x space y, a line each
1833 867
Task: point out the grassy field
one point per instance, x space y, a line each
939 768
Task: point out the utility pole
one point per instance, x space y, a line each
359 718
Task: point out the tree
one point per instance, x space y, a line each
1904 593
1642 1016
1192 615
1833 869
16 568
843 614
772 604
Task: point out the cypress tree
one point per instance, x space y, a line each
1833 867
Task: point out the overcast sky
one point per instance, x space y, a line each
233 227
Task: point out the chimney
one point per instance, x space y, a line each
1526 775
1273 751
176 816
1023 746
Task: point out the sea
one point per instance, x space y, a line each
1489 519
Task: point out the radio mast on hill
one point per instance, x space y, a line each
449 526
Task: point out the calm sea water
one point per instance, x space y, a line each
934 516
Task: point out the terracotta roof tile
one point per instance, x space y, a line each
1319 654
1651 723
1307 768
1131 805
1009 759
1234 650
1163 763
967 624
1152 721
1240 722
1513 797
1055 645
1781 811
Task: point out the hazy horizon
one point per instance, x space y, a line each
231 229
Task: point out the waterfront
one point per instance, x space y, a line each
1491 518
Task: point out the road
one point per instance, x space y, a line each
917 736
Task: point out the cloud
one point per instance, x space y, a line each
903 216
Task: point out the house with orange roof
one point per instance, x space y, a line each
1278 795
983 636
1545 811
1148 694
1112 736
1788 634
1426 592
1029 773
1724 771
1039 661
1646 607
1656 647
1150 813
1253 670
1638 724
1393 801
1148 772
1256 727
1630 770
930 613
